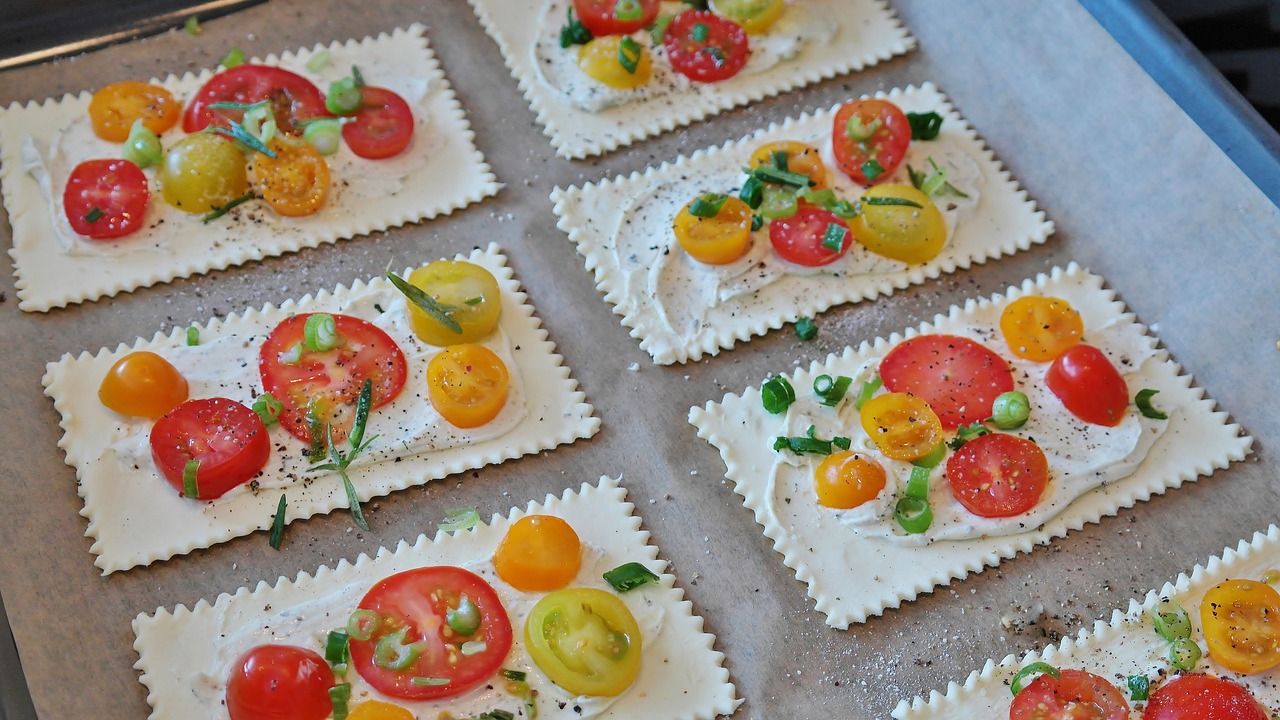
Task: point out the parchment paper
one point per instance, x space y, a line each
1138 192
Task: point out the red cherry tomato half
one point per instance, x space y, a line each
106 199
799 238
870 130
382 127
279 682
416 602
1203 697
601 16
1089 385
328 382
1074 695
293 97
227 438
705 47
959 378
998 475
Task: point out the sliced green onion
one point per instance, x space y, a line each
890 201
219 211
344 98
1139 688
473 301
627 10
142 148
843 443
340 698
276 538
757 221
934 183
822 198
779 159
460 518
498 714
1010 410
770 174
629 54
268 408
429 681
292 356
805 329
357 76
337 648
1185 654
318 61
1148 410
362 624
190 486
834 238
1035 668
325 135
934 457
777 394
233 58
924 126
193 336
320 333
1171 620
440 312
752 192
803 445
574 32
658 30
192 25
514 675
700 32
778 202
844 209
629 576
918 484
859 131
471 647
831 392
965 433
94 215
393 653
708 205
913 514
239 106
867 390
464 619
872 170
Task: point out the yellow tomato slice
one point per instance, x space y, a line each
202 171
143 384
1040 328
913 233
602 59
295 182
801 158
585 640
467 384
538 553
715 240
903 426
1241 622
115 107
470 294
755 16
847 479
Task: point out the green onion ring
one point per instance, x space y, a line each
913 514
320 333
1036 668
1171 620
1184 654
362 624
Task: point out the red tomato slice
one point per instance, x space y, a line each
705 47
1089 385
419 600
959 378
279 682
998 475
601 16
293 97
116 189
382 127
329 382
1203 697
1075 695
799 238
882 134
227 438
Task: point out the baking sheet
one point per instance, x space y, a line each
1139 195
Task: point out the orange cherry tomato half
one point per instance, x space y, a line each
467 384
378 710
1073 695
801 158
279 682
869 139
1040 328
1089 386
143 384
538 553
715 240
295 182
1241 622
1195 696
847 479
902 426
115 107
998 475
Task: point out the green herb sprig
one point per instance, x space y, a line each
440 312
339 461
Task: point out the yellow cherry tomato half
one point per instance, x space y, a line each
1040 328
715 240
585 640
467 384
471 294
847 479
378 710
801 158
602 59
202 171
143 384
539 553
755 16
1241 622
909 233
115 107
295 182
902 426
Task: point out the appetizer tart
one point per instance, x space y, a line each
898 159
273 404
1202 647
639 649
88 223
930 455
601 74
